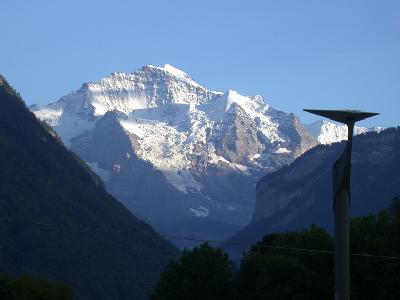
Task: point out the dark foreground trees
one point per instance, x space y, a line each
29 288
374 277
202 273
281 267
275 269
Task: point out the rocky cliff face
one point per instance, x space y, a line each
299 185
169 148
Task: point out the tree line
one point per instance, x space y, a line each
274 269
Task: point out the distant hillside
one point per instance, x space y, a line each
301 194
42 183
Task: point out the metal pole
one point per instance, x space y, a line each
341 211
342 269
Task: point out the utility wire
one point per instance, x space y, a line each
283 248
316 251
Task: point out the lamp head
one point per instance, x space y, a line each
342 116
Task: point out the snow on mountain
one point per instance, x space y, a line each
327 132
177 73
211 147
164 108
149 87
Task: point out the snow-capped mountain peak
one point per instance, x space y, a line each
327 132
249 104
161 116
176 73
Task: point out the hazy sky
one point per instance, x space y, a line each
296 54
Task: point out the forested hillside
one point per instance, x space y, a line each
57 221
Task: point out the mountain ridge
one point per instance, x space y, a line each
59 222
300 194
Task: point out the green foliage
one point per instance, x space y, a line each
275 277
278 267
202 273
29 288
396 205
375 278
270 272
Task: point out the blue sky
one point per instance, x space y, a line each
296 54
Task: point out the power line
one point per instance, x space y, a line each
85 228
284 248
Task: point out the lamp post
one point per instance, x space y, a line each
341 197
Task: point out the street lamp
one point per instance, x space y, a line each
341 197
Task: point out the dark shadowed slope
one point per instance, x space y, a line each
41 181
301 194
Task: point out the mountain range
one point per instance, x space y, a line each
177 154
